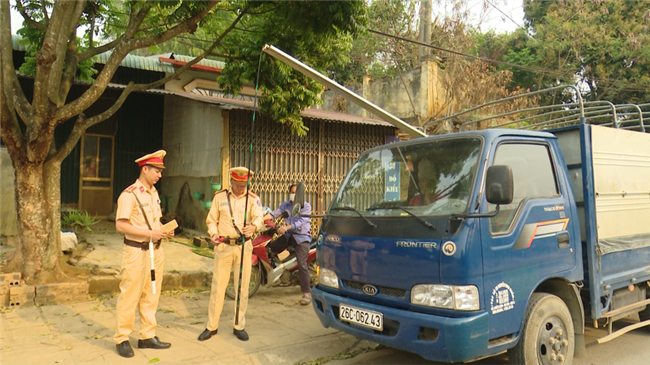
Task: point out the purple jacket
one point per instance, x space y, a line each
300 226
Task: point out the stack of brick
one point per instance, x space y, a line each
15 292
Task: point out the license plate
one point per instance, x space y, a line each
370 319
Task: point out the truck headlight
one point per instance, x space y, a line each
466 298
463 297
328 277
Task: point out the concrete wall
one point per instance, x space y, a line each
414 97
8 216
193 139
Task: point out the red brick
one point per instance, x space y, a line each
21 295
12 279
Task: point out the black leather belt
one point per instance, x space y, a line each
234 241
144 246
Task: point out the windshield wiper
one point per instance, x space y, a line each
359 213
431 226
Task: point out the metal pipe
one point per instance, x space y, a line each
577 94
306 70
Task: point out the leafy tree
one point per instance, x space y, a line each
379 56
602 46
56 56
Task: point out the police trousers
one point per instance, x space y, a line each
226 261
135 292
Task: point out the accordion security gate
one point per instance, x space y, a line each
321 159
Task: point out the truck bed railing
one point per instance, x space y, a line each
602 112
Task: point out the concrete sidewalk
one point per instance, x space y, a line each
281 332
184 269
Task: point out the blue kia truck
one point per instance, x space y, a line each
466 245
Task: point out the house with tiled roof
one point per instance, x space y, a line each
204 132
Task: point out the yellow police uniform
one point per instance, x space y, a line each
135 287
227 256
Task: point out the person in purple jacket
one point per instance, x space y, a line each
296 232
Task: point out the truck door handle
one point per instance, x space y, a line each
563 240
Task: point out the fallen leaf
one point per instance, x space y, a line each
155 359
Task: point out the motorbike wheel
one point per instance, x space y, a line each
256 281
313 273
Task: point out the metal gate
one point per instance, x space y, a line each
321 159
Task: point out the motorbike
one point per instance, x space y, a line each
273 270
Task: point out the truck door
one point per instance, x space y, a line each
528 239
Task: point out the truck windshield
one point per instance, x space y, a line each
430 178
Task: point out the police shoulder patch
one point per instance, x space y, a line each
220 191
130 189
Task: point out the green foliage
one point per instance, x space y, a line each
79 221
318 33
379 56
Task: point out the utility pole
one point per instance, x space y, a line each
425 29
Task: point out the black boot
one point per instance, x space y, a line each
206 334
241 334
124 349
153 343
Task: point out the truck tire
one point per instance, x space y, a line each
256 281
547 337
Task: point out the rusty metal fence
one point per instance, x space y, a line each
321 159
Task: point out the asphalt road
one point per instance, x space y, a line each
632 348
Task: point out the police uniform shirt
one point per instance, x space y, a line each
128 208
219 221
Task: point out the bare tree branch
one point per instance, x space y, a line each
15 98
135 20
45 57
47 18
28 19
71 66
9 128
82 123
66 35
118 54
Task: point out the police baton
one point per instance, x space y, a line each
153 268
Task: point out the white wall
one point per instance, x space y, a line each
192 137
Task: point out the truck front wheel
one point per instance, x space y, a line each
548 336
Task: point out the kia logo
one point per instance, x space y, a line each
370 289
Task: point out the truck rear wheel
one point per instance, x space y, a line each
547 337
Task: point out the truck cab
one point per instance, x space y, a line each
462 246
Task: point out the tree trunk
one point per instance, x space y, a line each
52 255
33 220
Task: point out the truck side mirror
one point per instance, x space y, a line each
499 186
299 200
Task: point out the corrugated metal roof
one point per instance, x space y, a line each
308 113
137 62
184 58
152 63
149 63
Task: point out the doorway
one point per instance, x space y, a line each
96 175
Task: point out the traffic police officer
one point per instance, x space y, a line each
138 218
226 226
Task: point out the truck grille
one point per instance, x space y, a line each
383 290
